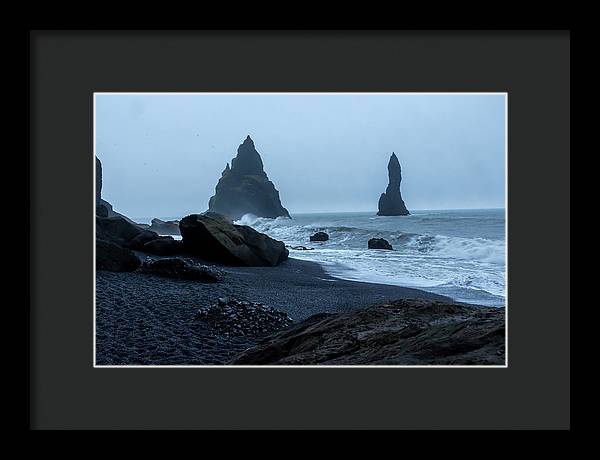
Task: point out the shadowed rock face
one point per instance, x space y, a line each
245 188
390 202
406 332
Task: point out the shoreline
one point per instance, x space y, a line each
144 319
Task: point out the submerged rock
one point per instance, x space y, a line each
390 202
405 332
114 258
242 318
379 243
245 188
213 237
319 236
181 268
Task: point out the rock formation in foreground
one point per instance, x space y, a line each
214 238
117 238
245 188
390 202
404 332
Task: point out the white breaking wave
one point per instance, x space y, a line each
465 268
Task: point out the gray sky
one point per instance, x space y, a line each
162 155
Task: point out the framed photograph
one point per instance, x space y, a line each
344 274
311 216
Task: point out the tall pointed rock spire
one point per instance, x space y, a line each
391 202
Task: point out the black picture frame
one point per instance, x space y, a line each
66 67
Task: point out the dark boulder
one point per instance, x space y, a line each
245 188
116 229
391 202
319 236
403 332
213 237
181 268
379 243
141 239
163 246
112 257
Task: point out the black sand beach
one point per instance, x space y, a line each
144 319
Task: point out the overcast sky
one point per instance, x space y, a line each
162 155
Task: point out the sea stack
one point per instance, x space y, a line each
244 188
390 202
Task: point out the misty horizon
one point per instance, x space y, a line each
163 155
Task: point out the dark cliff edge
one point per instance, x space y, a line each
244 188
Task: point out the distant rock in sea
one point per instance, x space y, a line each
245 188
379 243
319 236
390 202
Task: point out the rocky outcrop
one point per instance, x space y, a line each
390 202
122 232
114 258
141 239
319 236
245 188
404 332
181 268
118 230
379 243
213 237
242 318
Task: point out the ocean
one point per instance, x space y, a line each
457 253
